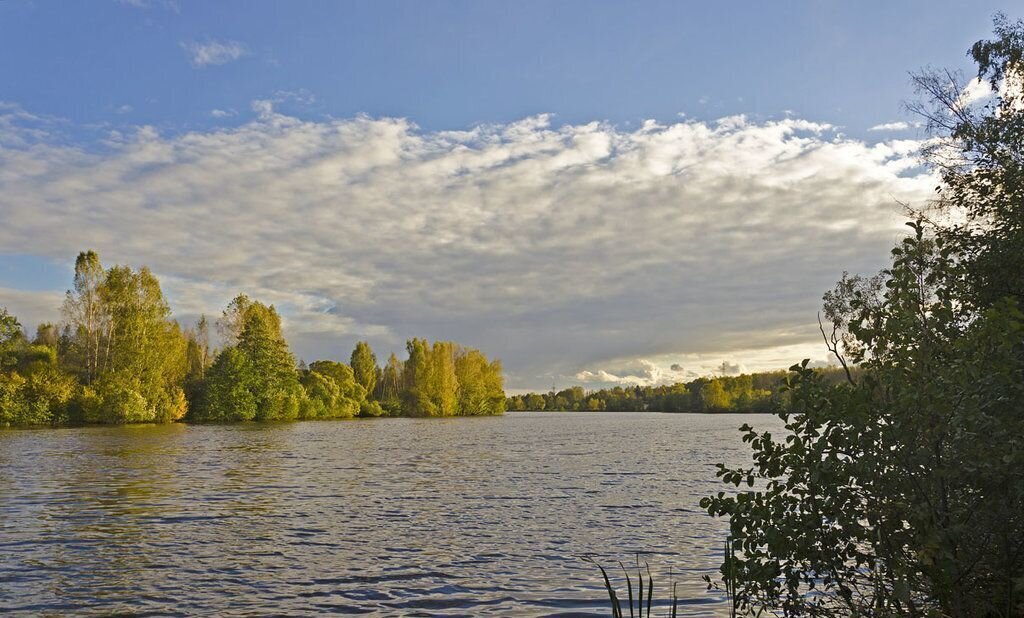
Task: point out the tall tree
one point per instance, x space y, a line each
86 315
142 362
480 389
364 366
443 383
276 389
198 358
390 385
416 400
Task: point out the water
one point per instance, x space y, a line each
418 517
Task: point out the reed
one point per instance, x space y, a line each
639 612
728 580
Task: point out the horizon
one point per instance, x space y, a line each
611 209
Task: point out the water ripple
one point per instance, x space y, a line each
460 517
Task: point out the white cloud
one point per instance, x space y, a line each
223 113
640 372
170 5
561 250
892 126
213 52
975 90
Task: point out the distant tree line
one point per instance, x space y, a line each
750 392
118 357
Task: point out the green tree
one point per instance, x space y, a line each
198 358
898 492
714 397
349 396
535 402
416 399
11 339
142 360
443 383
364 366
332 391
276 388
390 386
229 390
259 370
480 389
86 317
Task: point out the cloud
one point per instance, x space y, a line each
641 372
730 369
976 90
223 113
213 52
32 307
893 126
170 5
561 250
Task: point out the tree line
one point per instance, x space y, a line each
750 392
117 356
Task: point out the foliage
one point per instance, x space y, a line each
898 493
333 389
255 379
445 379
756 392
118 357
228 393
364 366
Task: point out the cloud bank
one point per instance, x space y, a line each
566 251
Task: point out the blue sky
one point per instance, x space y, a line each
454 64
593 191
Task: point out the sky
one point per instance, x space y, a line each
597 193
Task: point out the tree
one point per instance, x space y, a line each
232 319
332 391
142 362
390 386
713 396
898 491
258 371
416 399
349 396
197 358
364 366
86 316
47 334
980 162
480 389
276 387
443 383
11 336
229 390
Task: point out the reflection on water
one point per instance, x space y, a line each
475 516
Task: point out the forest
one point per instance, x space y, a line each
749 392
118 357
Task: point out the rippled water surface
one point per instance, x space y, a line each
474 516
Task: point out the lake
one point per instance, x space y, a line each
417 517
